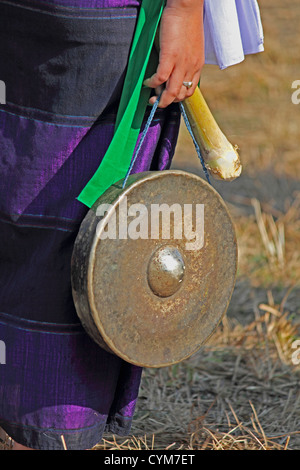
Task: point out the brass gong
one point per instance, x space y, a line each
150 296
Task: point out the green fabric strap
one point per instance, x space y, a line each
133 103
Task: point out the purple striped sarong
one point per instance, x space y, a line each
63 64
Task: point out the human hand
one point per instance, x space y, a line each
181 55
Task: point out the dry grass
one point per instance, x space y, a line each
240 392
269 244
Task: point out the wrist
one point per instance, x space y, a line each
185 3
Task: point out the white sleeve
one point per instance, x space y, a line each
232 30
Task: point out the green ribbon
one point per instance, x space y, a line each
132 107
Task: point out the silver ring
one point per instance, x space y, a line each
188 84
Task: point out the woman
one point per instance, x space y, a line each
63 63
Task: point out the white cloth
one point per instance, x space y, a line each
232 30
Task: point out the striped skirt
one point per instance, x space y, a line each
63 64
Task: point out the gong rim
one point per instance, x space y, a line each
111 342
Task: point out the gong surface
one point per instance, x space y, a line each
142 293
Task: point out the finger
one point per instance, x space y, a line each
158 92
187 92
161 75
173 88
182 95
195 80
